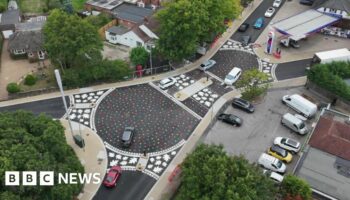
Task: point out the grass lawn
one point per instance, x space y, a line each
46 79
32 6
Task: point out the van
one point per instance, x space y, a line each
300 104
294 123
271 163
233 76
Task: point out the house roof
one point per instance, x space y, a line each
9 17
105 4
132 13
29 26
152 24
332 136
31 41
144 37
343 5
119 30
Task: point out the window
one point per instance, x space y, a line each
138 43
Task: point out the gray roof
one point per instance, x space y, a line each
10 17
118 30
29 26
131 12
30 41
343 5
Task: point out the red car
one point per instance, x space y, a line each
112 176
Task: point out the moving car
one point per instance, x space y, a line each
287 144
300 104
245 40
271 163
277 3
233 76
278 178
128 134
207 64
167 83
230 119
294 123
243 27
259 23
243 105
269 12
112 176
280 153
307 2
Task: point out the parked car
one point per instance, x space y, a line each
112 176
167 83
243 105
300 104
259 23
230 119
307 2
288 144
270 11
243 27
245 40
280 153
277 3
128 134
207 64
276 177
294 123
233 76
269 162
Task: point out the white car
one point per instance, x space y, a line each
277 3
273 175
287 144
207 64
233 76
167 83
270 11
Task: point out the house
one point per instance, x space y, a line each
27 43
9 19
106 6
130 15
325 162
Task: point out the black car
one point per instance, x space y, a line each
245 40
243 27
307 2
230 119
243 105
128 134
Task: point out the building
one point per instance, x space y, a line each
107 6
337 8
130 15
9 19
325 163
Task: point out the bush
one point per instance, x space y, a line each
293 187
13 88
99 20
139 56
30 80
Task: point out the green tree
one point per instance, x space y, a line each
253 83
184 24
31 143
13 88
99 20
139 56
209 173
292 187
70 40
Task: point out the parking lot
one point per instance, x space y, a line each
259 129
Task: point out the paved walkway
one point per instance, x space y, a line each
182 95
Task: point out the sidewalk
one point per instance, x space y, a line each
88 158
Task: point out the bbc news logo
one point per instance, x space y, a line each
47 178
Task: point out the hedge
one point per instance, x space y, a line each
331 77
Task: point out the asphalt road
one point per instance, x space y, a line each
258 12
132 185
53 107
292 69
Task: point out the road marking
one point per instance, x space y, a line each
214 76
273 74
176 101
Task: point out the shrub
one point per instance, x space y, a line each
13 88
30 80
139 56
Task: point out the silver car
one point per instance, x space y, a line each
207 64
287 144
167 83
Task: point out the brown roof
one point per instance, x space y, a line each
151 23
332 137
140 33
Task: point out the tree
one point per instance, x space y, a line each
35 143
99 20
184 24
253 83
209 173
293 188
69 39
13 88
139 56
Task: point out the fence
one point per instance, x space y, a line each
102 30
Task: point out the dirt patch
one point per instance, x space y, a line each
112 52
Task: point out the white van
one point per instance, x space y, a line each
294 123
300 104
272 163
233 76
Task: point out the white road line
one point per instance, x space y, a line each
214 76
176 101
273 72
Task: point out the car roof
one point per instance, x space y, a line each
166 80
277 148
126 135
291 142
241 100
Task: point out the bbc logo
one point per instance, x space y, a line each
29 178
